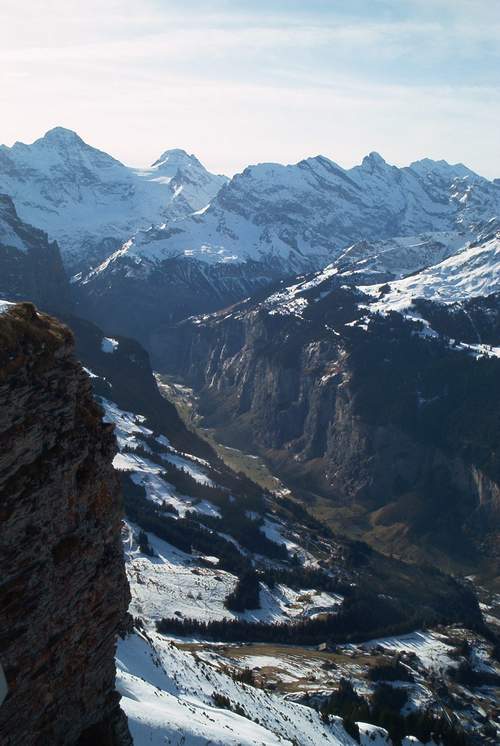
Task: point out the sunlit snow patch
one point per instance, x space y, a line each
5 305
109 344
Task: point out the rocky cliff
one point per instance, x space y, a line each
63 591
389 435
176 289
30 265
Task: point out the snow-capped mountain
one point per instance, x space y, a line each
191 185
301 216
90 202
30 265
273 221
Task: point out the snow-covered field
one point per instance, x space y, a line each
173 583
429 647
168 695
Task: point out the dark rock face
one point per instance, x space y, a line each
135 299
397 432
126 377
63 590
30 265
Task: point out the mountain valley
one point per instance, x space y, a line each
290 379
180 594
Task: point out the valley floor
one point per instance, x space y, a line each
192 691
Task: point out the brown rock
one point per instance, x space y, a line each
63 590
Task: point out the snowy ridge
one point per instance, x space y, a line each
400 256
303 215
474 271
89 201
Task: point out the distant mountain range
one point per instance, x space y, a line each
90 202
303 215
155 245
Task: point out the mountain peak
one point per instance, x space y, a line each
175 158
61 135
442 167
373 160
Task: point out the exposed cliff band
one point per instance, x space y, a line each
63 590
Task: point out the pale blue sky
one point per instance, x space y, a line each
241 82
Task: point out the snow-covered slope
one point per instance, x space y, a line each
273 221
302 215
89 201
168 695
471 272
393 258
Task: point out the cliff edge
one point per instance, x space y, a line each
63 590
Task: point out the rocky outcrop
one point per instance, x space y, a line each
30 265
63 591
125 376
394 437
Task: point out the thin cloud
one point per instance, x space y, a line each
257 81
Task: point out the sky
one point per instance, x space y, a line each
245 82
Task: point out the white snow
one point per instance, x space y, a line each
474 271
5 305
128 425
167 694
80 195
109 344
429 647
90 373
373 735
